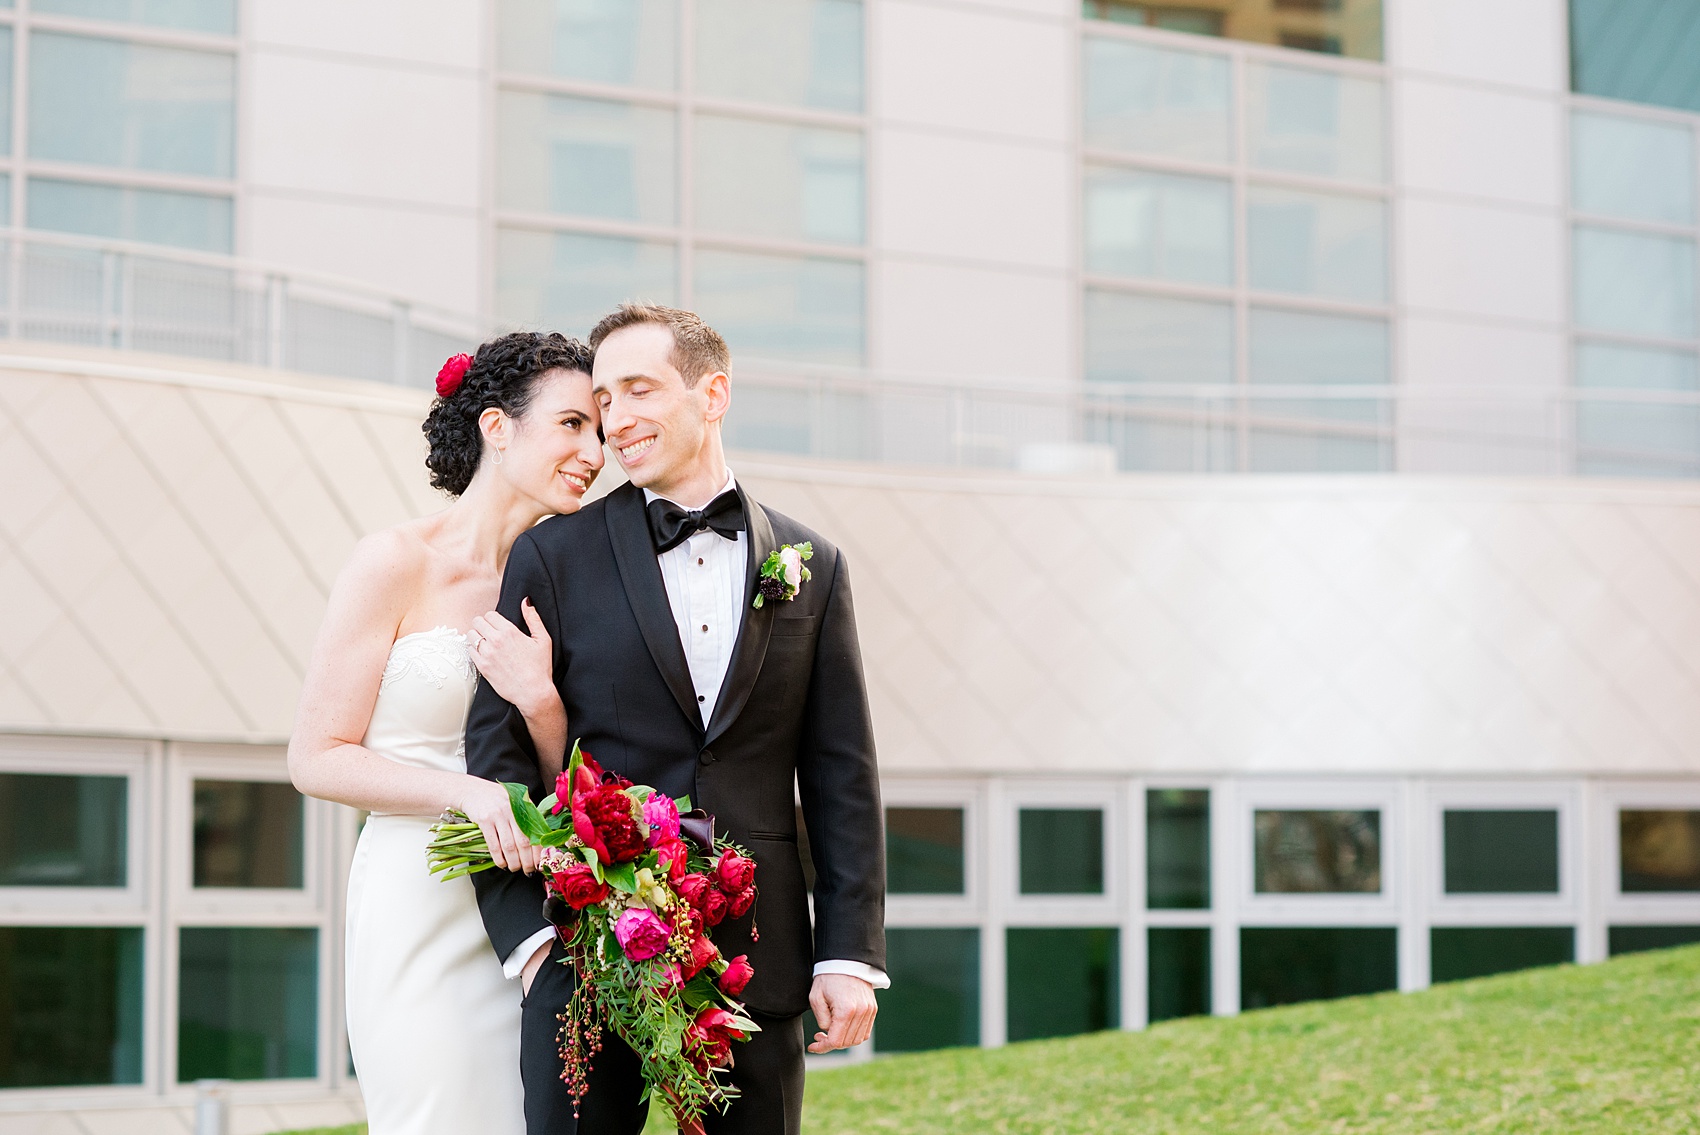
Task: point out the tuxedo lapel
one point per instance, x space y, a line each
755 629
640 573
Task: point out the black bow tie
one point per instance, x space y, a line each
670 525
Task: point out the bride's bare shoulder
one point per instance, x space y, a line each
389 562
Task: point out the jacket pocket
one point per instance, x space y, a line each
788 626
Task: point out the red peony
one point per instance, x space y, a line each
733 873
603 819
714 906
453 374
737 975
741 902
578 886
702 953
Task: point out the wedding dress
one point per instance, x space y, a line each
433 1024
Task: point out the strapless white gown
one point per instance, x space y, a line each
433 1024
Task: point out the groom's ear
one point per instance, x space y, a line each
718 389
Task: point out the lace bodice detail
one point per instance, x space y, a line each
419 718
439 656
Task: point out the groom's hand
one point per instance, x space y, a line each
844 1007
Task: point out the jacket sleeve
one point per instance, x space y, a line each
838 780
499 748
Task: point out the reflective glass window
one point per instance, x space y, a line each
1320 852
1637 50
1061 980
132 106
1316 122
1332 435
1317 244
628 42
923 851
1156 339
248 834
1641 283
1636 438
1332 27
1495 851
586 157
63 831
247 1003
1659 850
1062 851
1159 225
807 420
1177 849
1635 939
934 1000
571 280
790 52
1158 100
1177 962
805 308
1460 952
6 94
70 1006
1631 167
156 216
1282 965
770 179
215 16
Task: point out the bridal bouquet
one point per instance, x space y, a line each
636 883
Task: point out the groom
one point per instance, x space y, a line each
672 677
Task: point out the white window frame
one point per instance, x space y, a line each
1653 908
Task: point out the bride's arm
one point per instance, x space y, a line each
326 758
521 668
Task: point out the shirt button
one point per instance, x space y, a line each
699 561
700 697
705 628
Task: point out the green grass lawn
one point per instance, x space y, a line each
1602 1050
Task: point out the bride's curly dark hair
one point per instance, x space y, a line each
503 374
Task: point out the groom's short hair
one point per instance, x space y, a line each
698 348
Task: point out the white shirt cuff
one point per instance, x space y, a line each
874 977
515 965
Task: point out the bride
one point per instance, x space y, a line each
433 1024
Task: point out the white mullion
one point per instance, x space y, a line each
1225 838
1239 106
998 855
685 217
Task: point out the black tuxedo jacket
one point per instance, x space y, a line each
792 710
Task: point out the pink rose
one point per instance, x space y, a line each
741 902
674 857
733 873
662 816
714 906
693 888
737 975
672 979
641 935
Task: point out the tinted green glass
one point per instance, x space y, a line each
1177 967
70 1006
216 16
934 999
1501 852
1459 952
1177 849
1318 852
1639 50
1634 939
1062 981
1062 851
1281 965
1659 851
248 1003
63 831
248 834
923 851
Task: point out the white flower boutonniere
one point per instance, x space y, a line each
783 573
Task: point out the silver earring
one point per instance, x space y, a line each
498 460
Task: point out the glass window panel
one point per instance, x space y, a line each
247 1003
934 1000
70 1006
156 216
1062 851
1631 167
1460 952
1327 435
923 851
1315 122
6 96
1061 980
808 309
1157 100
1154 339
1635 939
1177 849
1641 283
1501 851
1282 965
568 281
1316 244
1177 972
1638 50
792 52
1635 438
1333 27
629 42
1321 852
810 421
63 831
248 834
586 157
216 16
769 179
1659 850
1159 225
133 106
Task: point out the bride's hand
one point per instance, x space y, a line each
486 804
518 666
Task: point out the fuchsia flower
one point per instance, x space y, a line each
662 816
737 975
641 935
452 375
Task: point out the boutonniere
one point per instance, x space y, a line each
783 573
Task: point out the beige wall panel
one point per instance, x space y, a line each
434 33
998 324
1482 262
1514 42
1477 143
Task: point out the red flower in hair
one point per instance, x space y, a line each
452 374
